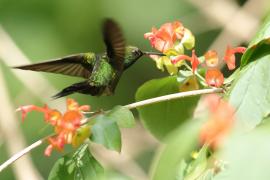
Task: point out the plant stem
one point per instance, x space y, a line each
197 74
173 96
129 106
20 154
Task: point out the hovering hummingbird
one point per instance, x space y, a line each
100 71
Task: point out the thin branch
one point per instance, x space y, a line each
129 106
20 154
173 96
13 135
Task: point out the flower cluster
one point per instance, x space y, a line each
173 38
220 121
214 76
170 39
66 125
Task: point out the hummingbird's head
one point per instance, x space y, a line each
133 54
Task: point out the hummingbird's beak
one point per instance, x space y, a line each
153 53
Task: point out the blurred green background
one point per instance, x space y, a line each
50 29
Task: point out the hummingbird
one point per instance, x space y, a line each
101 72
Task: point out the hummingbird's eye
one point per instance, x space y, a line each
136 52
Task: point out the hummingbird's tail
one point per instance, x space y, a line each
77 87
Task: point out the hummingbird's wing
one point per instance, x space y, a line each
115 43
74 65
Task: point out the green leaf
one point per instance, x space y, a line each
115 175
247 156
259 46
79 166
183 75
162 118
180 143
181 170
207 175
123 116
105 131
250 93
197 166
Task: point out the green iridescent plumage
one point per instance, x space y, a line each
100 71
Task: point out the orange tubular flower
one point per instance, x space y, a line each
65 125
214 77
211 58
57 143
220 122
28 108
193 60
229 57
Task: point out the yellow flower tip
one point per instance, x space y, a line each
159 64
71 104
189 84
165 61
211 58
188 39
179 48
81 135
172 70
194 154
174 51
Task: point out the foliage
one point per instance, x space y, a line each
78 165
259 46
249 95
217 141
106 132
181 143
162 118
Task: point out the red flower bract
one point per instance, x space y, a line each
193 60
65 125
214 77
229 57
28 108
